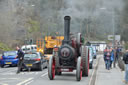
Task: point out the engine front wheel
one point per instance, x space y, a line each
51 68
79 69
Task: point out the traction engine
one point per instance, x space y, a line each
71 55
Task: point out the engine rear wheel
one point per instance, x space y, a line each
79 69
85 60
51 68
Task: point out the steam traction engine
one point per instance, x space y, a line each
72 55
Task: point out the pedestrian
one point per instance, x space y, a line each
21 58
117 54
105 53
111 57
125 59
107 58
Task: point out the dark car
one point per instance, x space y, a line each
94 52
35 60
9 58
91 57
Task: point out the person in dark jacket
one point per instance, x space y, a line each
111 57
105 53
20 54
117 54
125 59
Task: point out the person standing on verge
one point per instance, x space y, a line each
125 59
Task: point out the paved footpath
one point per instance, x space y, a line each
109 77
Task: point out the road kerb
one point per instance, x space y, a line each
93 77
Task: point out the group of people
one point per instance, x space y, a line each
108 57
111 55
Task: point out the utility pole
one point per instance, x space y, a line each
87 29
113 24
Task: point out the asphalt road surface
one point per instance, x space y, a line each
8 76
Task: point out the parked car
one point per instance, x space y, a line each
9 58
35 60
94 52
91 57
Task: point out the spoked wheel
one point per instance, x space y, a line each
51 68
85 60
79 69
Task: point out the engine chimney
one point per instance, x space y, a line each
66 29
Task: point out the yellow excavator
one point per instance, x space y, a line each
51 42
45 46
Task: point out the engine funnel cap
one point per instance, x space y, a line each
67 17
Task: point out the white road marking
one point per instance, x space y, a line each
8 73
23 82
3 84
29 82
36 73
22 73
8 78
28 73
44 74
8 70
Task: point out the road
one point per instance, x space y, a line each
8 76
